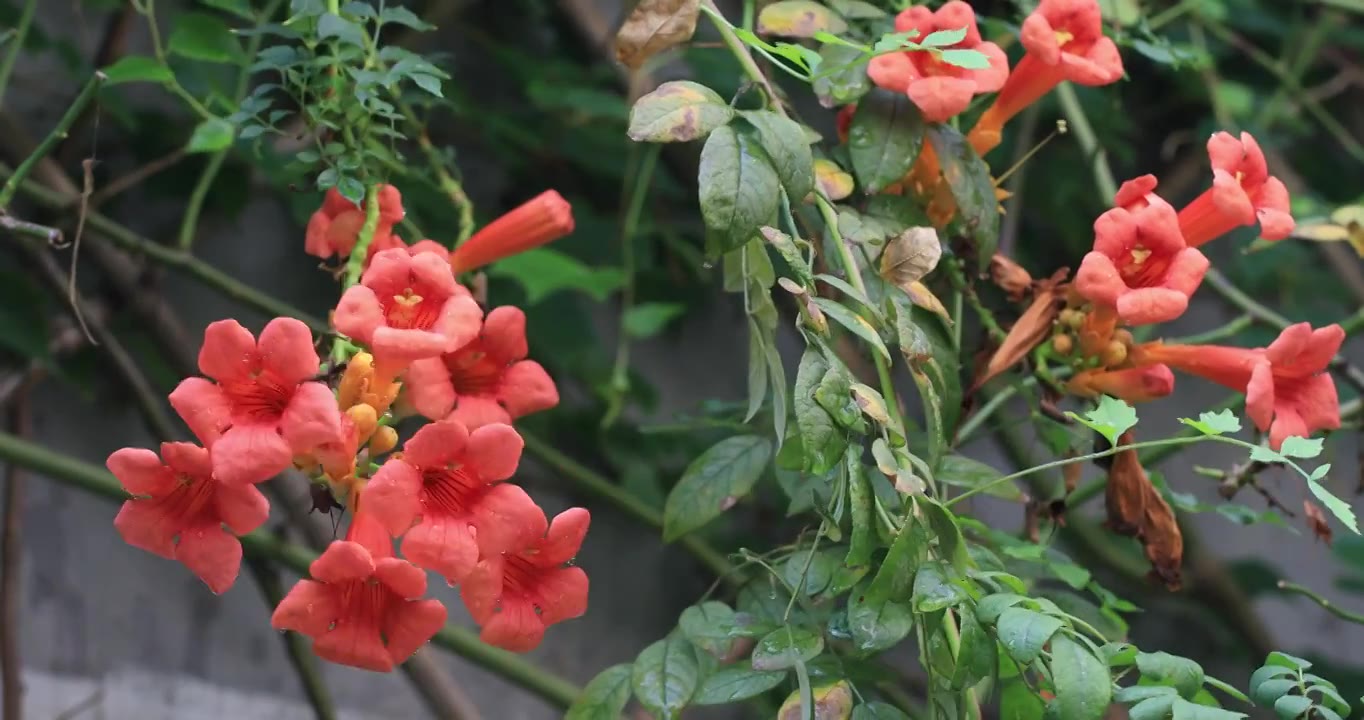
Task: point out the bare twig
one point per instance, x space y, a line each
123 183
87 94
11 682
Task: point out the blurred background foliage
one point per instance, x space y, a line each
536 101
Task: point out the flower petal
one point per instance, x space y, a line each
506 520
460 321
475 411
241 507
429 388
436 444
391 497
211 554
141 472
341 561
286 350
1145 306
354 641
249 454
494 451
940 98
517 627
204 407
389 272
1098 279
146 526
993 78
1318 404
402 577
1231 198
315 238
526 388
504 334
187 459
358 313
1260 395
565 536
563 594
481 590
409 625
403 346
309 608
311 419
892 72
444 544
1186 271
432 271
229 351
1287 423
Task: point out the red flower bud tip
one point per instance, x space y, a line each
260 407
1242 193
516 595
178 510
446 498
1139 264
843 122
1065 41
1134 385
940 90
544 218
362 605
1288 391
487 381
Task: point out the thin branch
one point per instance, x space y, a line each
100 483
48 235
16 42
123 183
1327 605
16 178
11 558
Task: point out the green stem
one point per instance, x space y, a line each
746 61
48 235
1327 605
190 224
200 270
625 502
295 645
97 481
355 264
1230 329
159 50
444 180
620 374
58 134
16 47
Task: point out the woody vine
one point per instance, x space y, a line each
877 249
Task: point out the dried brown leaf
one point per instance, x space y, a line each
1032 328
1162 539
910 256
655 26
1316 521
1125 493
1010 277
920 295
1136 509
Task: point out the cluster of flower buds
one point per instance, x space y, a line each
426 348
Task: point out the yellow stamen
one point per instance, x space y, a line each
1063 37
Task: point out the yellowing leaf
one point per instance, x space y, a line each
655 26
920 295
832 181
677 111
799 18
912 255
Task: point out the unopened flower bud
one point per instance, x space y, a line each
365 419
1010 277
384 440
1114 354
1062 344
1072 319
1123 336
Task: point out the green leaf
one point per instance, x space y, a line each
1290 707
1219 423
1226 688
786 647
137 68
1111 418
965 58
605 697
1018 702
757 369
951 544
648 319
204 37
990 607
877 711
854 323
429 83
1024 632
1184 710
842 78
343 30
1338 507
1083 686
968 177
964 472
809 573
240 8
933 591
738 187
884 139
707 627
788 149
976 653
544 271
713 482
1182 674
877 624
895 578
822 442
943 38
210 136
665 676
1300 447
403 16
733 684
677 111
862 542
776 373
